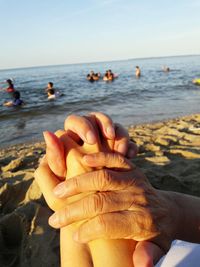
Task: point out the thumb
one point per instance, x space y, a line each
55 154
146 254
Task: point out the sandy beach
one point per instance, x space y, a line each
169 154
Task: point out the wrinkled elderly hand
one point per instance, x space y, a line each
124 204
81 129
52 168
62 153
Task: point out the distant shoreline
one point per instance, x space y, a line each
96 62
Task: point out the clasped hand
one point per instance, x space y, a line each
121 203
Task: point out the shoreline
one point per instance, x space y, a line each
127 126
169 154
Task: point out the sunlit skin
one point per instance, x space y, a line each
137 72
49 174
96 253
100 252
142 212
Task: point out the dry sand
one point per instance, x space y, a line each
169 154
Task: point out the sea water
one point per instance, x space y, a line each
155 96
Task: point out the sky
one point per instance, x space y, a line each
50 32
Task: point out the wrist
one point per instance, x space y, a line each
178 214
189 217
175 214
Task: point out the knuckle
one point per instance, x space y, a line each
151 225
141 198
63 216
93 205
102 157
120 159
74 184
102 116
146 222
138 228
102 225
97 203
149 217
104 179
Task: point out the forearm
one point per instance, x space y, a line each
188 207
72 253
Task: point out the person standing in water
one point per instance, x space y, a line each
137 71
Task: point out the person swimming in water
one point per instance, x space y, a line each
196 81
16 102
166 69
51 94
109 76
90 78
96 77
49 86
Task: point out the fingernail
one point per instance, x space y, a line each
110 132
54 220
46 138
90 137
122 148
60 190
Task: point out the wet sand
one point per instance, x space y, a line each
169 153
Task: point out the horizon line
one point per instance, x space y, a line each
94 62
